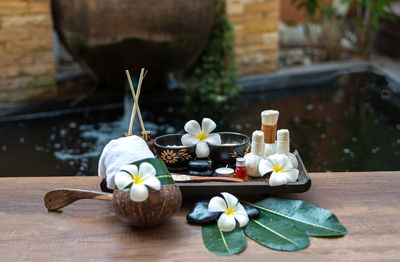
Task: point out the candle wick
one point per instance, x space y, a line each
226 166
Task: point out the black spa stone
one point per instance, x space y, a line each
208 172
199 165
251 211
199 214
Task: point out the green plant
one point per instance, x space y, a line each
213 78
326 44
334 26
368 21
312 7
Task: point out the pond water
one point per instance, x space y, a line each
344 125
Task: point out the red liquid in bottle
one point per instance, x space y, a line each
241 172
241 169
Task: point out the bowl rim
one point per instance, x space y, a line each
169 147
246 137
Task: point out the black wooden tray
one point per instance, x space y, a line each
256 186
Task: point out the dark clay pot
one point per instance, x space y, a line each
158 207
222 155
175 158
107 37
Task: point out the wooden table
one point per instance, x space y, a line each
368 204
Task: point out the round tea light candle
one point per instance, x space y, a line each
224 171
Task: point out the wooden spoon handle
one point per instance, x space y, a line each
61 197
216 179
181 178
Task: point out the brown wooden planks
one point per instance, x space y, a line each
366 203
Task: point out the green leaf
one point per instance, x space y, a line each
223 243
314 220
162 172
271 231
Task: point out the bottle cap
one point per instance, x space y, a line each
240 161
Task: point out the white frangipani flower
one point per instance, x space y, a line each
232 211
137 180
282 170
200 136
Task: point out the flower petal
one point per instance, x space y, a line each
265 166
146 169
131 169
122 180
291 174
192 127
241 215
242 219
152 181
277 179
282 160
207 125
217 204
239 209
230 199
226 223
202 149
214 139
139 192
189 140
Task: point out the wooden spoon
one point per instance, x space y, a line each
178 178
61 197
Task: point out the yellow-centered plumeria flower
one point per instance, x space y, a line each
201 136
282 170
232 211
137 180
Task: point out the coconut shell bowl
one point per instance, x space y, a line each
233 145
176 157
157 208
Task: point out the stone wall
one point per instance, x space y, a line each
27 66
256 34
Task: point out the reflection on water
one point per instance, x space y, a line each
343 126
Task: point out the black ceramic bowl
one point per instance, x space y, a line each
175 158
225 154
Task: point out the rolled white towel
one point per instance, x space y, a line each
120 152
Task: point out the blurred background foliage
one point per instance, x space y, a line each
213 78
347 26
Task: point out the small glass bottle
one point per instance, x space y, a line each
241 168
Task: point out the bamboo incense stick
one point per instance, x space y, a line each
139 88
136 104
133 111
136 100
